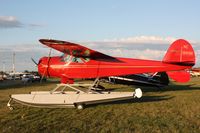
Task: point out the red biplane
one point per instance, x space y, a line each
80 62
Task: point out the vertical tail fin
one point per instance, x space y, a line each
181 53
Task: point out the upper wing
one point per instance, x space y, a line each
76 50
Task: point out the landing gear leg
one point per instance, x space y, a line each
9 104
95 86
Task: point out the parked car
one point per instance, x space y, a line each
36 78
26 78
32 78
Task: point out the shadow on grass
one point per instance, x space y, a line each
144 99
171 87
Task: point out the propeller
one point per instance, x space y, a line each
47 65
34 62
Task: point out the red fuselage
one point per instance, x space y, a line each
68 67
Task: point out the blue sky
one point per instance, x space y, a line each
23 22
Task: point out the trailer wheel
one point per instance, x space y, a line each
79 106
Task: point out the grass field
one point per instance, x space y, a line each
175 108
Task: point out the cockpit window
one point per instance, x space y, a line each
77 60
65 58
69 58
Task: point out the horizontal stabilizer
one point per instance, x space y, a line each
179 76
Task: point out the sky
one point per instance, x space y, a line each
130 28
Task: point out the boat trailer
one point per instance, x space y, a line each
77 98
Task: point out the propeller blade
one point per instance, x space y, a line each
34 62
47 66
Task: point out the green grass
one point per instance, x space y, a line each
175 108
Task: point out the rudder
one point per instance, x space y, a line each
181 53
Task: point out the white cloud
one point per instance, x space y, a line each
13 22
149 54
143 39
137 54
36 25
146 40
9 22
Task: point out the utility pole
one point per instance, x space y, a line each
14 64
